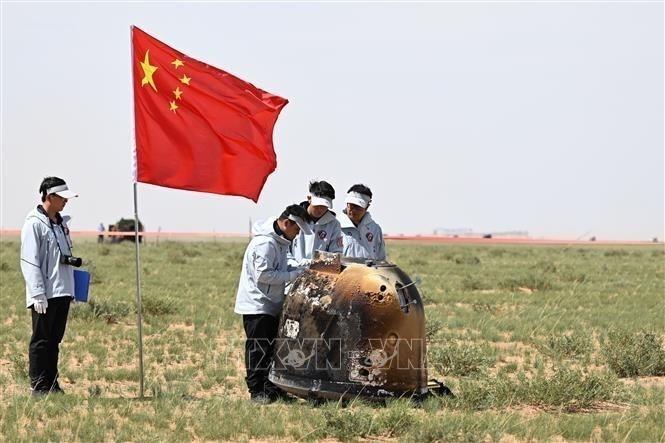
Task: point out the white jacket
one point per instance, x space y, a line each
40 258
364 240
264 272
326 236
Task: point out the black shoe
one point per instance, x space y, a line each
39 393
56 389
274 391
263 398
278 394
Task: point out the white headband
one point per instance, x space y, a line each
301 223
56 189
358 199
316 200
61 190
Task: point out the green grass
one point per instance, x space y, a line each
458 359
573 345
538 343
634 354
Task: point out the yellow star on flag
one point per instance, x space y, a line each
177 92
148 71
173 106
177 63
185 79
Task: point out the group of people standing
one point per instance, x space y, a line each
281 249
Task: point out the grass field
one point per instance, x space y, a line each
537 342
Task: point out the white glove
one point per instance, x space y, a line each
295 273
40 304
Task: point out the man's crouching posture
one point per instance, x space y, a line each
261 295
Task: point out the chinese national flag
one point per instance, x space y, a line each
198 127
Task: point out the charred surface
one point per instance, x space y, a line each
351 328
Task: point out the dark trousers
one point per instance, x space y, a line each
261 331
47 332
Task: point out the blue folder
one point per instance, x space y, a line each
81 285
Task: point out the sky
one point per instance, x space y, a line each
492 116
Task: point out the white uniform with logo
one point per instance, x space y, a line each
326 236
42 244
364 240
265 272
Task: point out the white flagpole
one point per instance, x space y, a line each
139 305
139 318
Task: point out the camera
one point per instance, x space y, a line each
71 260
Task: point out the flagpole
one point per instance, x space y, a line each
139 319
139 305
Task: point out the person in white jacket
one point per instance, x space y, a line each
363 237
46 263
265 272
326 233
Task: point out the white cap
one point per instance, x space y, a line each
320 201
358 199
304 226
62 191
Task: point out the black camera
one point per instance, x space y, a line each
70 260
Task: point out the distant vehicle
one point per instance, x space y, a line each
125 225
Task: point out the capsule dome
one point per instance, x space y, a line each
351 328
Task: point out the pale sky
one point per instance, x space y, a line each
545 117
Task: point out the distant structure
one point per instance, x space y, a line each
454 232
468 232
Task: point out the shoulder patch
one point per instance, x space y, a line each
369 236
322 234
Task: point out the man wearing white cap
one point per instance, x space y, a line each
363 237
46 263
326 232
265 272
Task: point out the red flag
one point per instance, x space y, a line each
198 127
